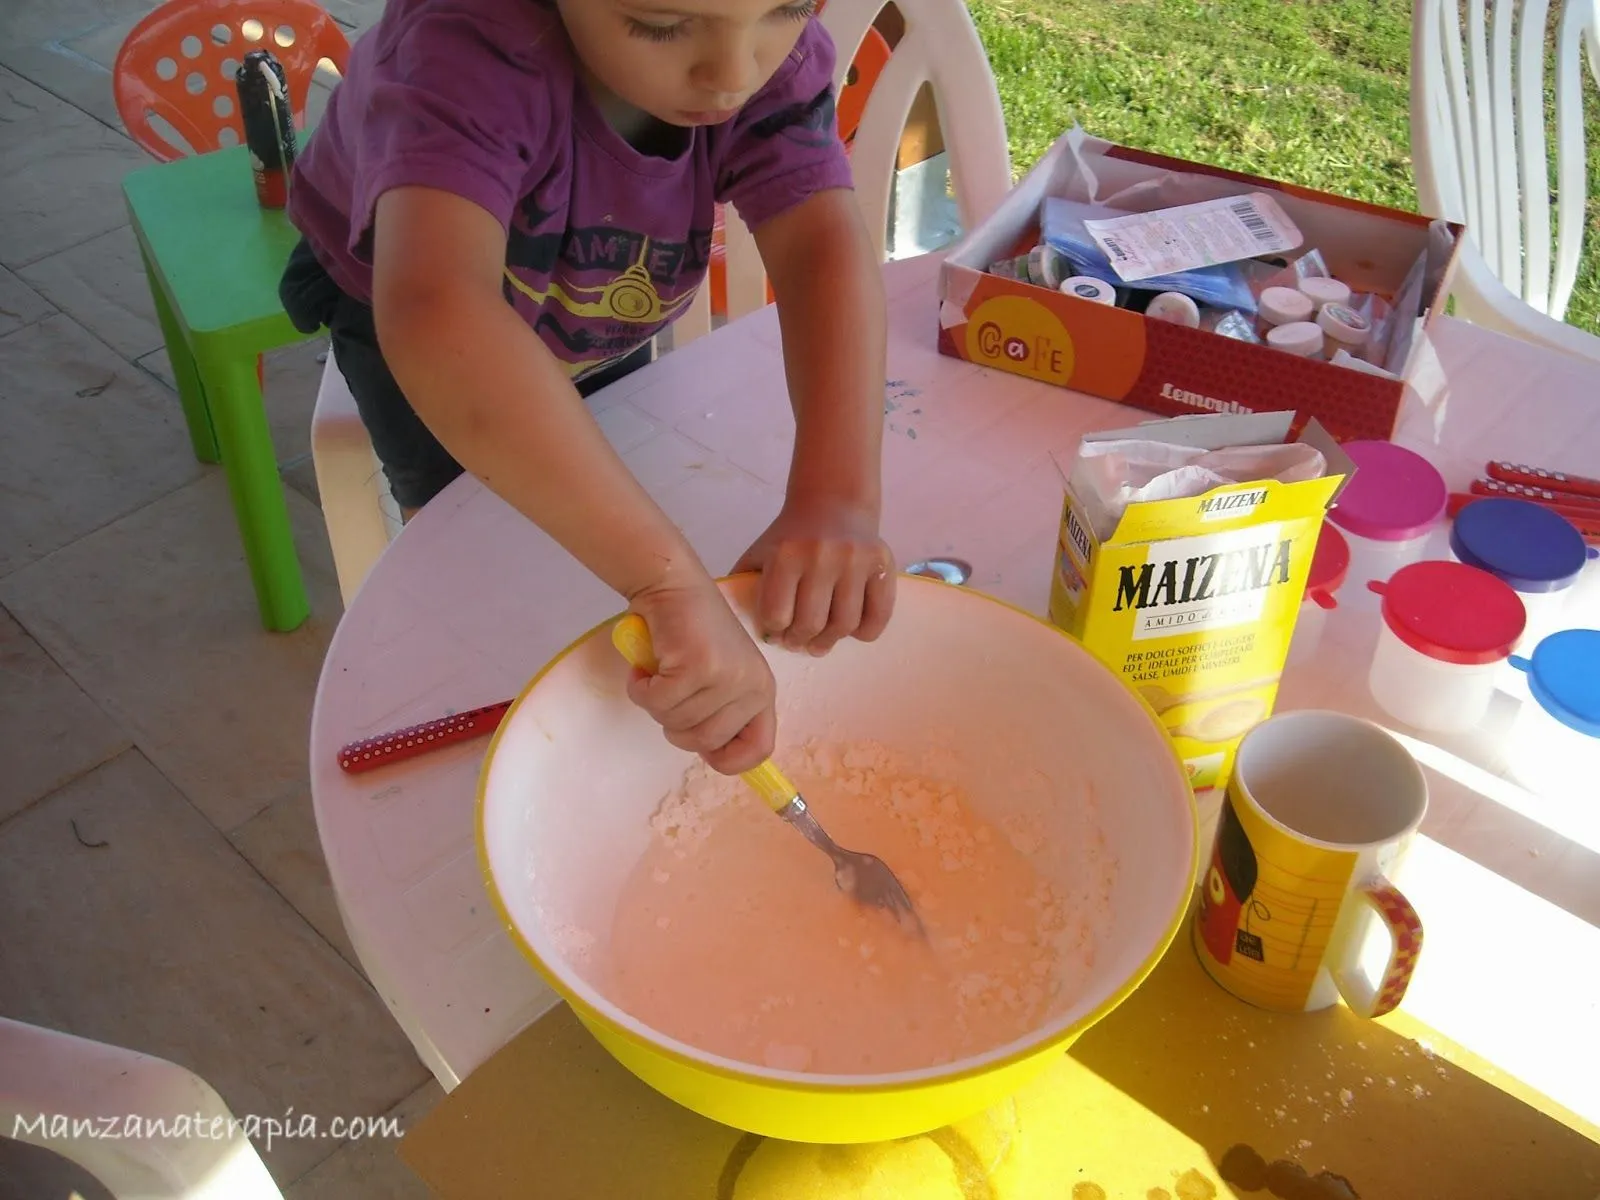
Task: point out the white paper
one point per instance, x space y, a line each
1170 240
1111 475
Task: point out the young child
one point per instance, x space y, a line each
507 199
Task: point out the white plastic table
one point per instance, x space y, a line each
471 600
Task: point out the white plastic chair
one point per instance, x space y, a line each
940 47
361 516
1479 148
50 1079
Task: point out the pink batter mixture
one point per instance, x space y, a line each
730 934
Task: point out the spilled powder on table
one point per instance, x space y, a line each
730 935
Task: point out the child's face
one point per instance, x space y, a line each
685 62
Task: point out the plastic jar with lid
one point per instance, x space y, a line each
1321 290
1330 562
1538 552
1446 630
1303 339
1345 328
1086 287
1174 307
1554 744
1388 508
1283 306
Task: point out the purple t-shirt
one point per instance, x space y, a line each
605 245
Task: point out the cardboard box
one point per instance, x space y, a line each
1124 356
1194 600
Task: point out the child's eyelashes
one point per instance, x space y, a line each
665 33
655 33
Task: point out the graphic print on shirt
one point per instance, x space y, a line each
639 285
596 292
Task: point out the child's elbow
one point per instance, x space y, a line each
418 325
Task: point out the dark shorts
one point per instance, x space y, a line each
416 465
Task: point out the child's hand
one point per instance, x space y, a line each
825 575
712 690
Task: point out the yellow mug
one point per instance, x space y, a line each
1319 812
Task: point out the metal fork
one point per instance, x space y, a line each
865 877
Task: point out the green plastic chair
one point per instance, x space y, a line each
213 256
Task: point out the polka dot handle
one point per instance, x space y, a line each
1538 477
371 753
1539 495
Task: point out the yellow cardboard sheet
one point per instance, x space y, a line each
1184 1093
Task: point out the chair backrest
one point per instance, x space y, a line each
940 47
176 67
1479 135
58 1090
859 79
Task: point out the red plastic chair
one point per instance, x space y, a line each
177 65
871 57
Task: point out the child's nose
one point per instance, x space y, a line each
729 70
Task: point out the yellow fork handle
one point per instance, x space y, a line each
631 636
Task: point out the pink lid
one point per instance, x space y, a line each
1452 612
1394 495
1329 564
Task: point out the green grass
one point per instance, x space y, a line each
1313 92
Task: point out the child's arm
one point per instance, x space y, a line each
826 574
489 390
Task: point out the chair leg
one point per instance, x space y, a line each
191 393
240 420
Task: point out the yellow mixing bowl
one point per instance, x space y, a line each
575 771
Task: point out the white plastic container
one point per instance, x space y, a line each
1446 630
1322 291
1283 306
1330 562
1554 745
1044 266
1536 551
1346 328
1583 606
1387 512
1301 338
1176 308
1086 287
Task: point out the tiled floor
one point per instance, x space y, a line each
159 867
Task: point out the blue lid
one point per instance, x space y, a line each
1525 544
1564 677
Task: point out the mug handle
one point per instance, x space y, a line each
1405 944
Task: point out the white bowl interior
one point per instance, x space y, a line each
1022 717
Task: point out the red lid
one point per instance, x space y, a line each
1329 562
1452 612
